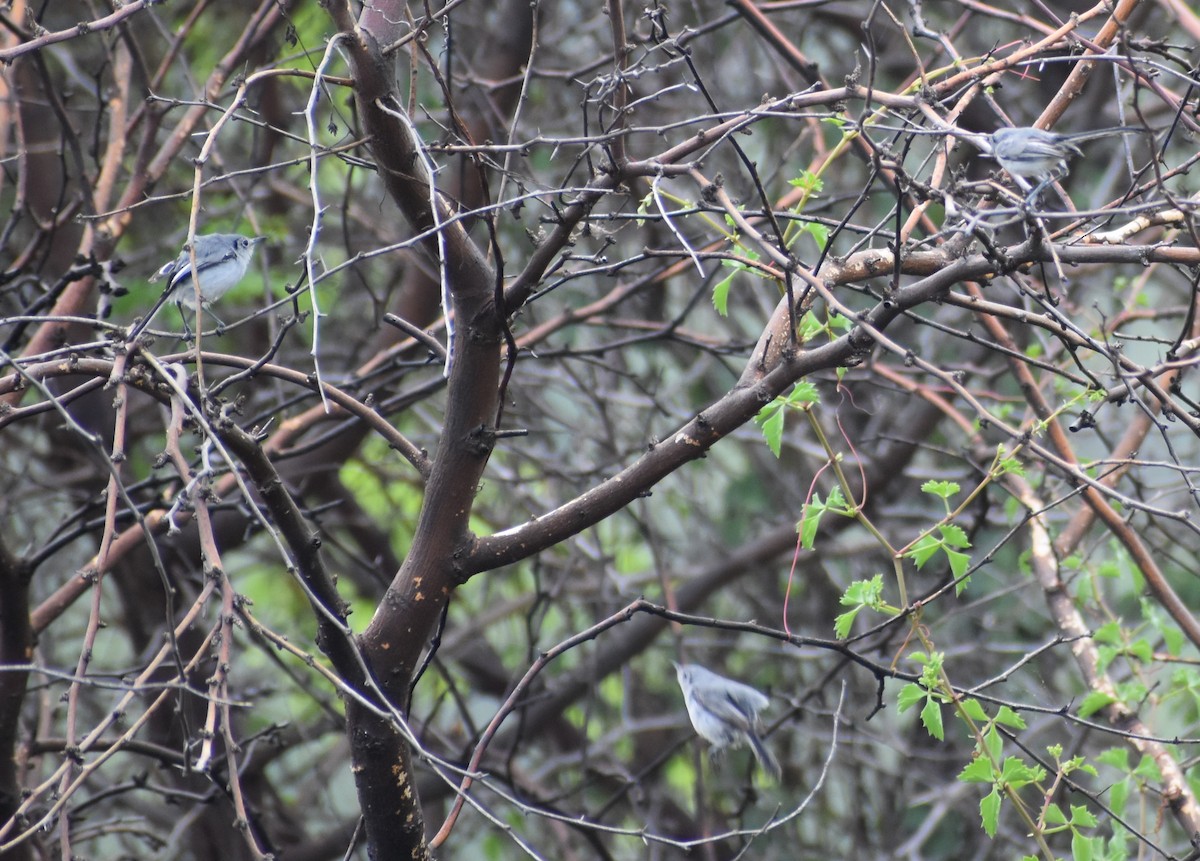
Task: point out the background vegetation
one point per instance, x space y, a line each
752 364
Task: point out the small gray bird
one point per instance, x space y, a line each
221 262
725 712
1038 154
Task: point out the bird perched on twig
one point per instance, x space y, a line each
221 262
1032 153
725 712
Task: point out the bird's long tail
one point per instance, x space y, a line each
765 758
1103 133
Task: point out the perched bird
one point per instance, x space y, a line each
1038 154
221 262
725 712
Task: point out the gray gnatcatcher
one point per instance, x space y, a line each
221 261
725 712
1038 154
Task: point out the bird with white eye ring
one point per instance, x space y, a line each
221 262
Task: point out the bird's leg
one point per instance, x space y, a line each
187 330
220 323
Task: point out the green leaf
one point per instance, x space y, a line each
1142 650
770 418
808 181
810 519
720 298
1118 847
819 233
1081 847
844 623
979 770
1117 757
860 595
960 563
1118 795
644 207
989 812
931 668
1054 815
910 695
1173 638
973 710
924 549
771 425
941 489
1081 817
839 323
868 593
993 744
1106 655
810 327
1147 769
1008 717
837 503
1093 702
803 393
807 527
954 536
1132 691
1017 773
931 717
1008 465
